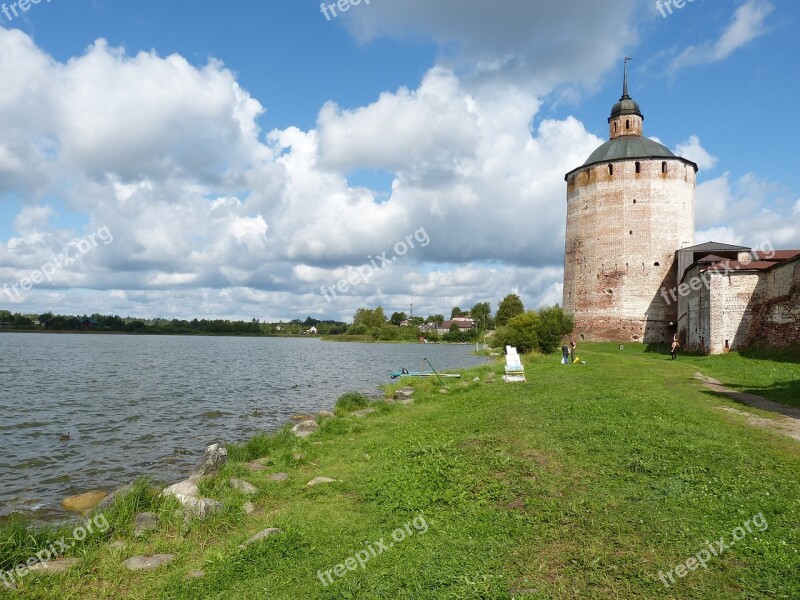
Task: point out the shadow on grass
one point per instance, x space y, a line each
790 354
782 398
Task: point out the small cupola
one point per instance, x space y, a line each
626 118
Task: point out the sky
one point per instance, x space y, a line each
276 160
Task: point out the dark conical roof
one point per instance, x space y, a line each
629 146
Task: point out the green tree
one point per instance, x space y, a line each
369 317
397 318
522 332
457 312
438 319
554 324
481 312
510 307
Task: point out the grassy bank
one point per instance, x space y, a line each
586 481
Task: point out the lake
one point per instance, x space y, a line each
149 405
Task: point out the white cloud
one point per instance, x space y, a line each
198 200
746 211
580 39
210 217
694 151
747 24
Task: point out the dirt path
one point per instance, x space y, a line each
788 423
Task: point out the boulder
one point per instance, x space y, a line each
403 392
148 563
83 503
302 417
326 414
202 507
363 413
188 495
248 508
260 536
444 391
278 477
213 460
143 523
54 566
255 466
305 428
112 497
476 380
183 491
244 487
319 480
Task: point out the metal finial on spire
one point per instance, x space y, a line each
625 78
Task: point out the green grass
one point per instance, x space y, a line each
771 373
350 402
584 482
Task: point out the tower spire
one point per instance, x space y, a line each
625 79
626 118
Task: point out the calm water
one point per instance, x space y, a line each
149 405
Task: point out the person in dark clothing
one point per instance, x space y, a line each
565 352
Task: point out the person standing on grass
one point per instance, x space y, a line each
565 352
674 350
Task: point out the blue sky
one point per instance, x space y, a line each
257 152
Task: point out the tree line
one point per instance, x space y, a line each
540 330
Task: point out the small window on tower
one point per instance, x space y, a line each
615 127
656 264
610 169
638 169
664 167
627 123
634 201
631 232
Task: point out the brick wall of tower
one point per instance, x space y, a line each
619 225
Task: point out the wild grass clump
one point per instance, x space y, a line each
142 497
19 540
262 444
351 401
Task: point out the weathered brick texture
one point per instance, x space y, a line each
625 220
734 310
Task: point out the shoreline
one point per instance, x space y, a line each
50 511
511 479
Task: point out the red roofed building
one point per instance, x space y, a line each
731 297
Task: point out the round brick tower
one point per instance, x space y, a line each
630 207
